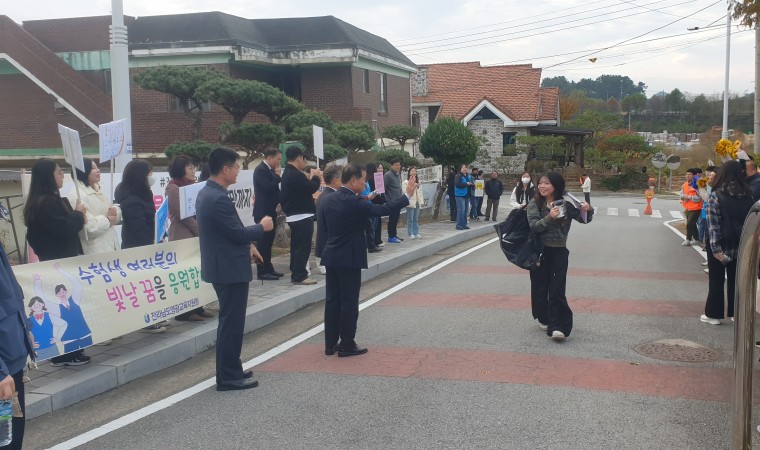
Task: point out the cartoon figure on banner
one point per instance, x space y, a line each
47 329
77 334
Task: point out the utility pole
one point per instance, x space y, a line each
724 133
757 89
122 108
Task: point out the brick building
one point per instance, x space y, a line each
58 71
497 103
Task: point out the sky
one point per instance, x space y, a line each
646 40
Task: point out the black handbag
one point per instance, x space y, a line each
521 246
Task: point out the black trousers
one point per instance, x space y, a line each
300 247
341 306
492 203
691 224
233 301
453 207
369 232
547 291
720 277
18 423
393 222
265 248
587 197
378 231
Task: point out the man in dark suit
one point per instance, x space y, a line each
266 187
226 253
332 180
298 205
345 255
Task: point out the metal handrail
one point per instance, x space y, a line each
744 330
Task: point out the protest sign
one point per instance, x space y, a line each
112 139
379 183
429 174
480 186
187 196
318 135
72 147
77 302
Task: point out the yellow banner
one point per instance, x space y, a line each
77 302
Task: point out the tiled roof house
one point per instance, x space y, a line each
496 102
58 71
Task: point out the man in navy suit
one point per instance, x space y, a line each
332 181
266 187
226 253
345 255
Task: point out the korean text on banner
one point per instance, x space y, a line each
112 139
187 196
72 147
319 150
379 183
81 301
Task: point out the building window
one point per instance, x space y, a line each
508 144
383 93
107 80
365 77
174 105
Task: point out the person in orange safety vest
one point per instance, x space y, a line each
692 203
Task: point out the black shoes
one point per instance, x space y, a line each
248 374
278 274
374 250
356 350
268 276
237 385
331 351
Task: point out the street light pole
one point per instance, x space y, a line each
724 133
122 108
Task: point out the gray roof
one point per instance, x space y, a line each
218 28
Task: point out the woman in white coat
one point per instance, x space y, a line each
101 215
413 210
523 193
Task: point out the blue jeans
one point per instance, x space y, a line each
412 224
462 211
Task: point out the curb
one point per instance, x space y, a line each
168 352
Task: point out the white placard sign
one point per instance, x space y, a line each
112 139
319 149
187 196
72 147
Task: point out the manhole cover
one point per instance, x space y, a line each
678 350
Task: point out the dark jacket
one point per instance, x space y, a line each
392 181
297 192
346 215
54 233
14 325
138 214
494 188
754 185
266 188
553 232
319 246
225 242
450 184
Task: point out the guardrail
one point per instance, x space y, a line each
744 330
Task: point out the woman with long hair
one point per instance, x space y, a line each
102 217
550 217
727 208
52 229
415 203
182 173
134 196
523 192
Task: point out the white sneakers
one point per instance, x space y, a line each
709 320
558 336
686 243
412 237
542 326
323 270
418 236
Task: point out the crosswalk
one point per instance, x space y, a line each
635 212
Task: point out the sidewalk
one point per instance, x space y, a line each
140 353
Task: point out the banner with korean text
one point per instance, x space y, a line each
76 302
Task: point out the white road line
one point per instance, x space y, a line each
141 413
668 223
633 212
612 211
676 214
656 214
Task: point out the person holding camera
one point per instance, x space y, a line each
550 217
727 208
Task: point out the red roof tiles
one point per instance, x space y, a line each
515 90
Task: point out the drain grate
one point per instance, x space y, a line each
678 350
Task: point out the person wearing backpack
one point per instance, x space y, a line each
550 217
727 208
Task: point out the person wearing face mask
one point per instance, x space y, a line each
493 189
523 193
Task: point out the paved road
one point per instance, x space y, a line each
456 361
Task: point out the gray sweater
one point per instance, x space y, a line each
553 232
392 182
